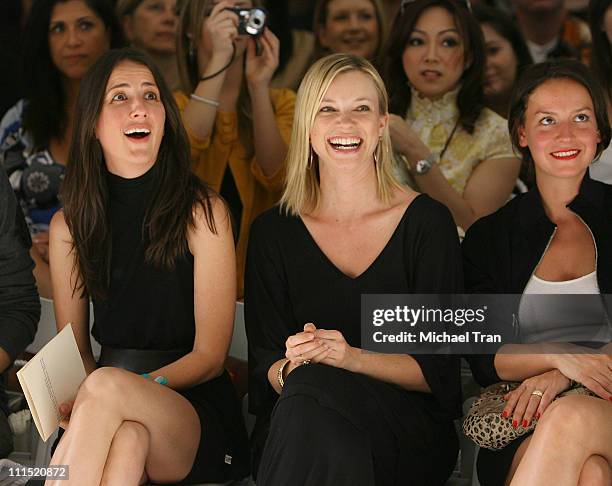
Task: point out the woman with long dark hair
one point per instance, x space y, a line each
451 146
507 56
152 247
555 240
65 37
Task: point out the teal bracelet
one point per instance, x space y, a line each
162 380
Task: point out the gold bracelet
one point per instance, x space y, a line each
279 374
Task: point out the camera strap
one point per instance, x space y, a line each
210 76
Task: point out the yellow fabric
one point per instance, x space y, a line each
433 122
211 156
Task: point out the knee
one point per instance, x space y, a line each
595 472
102 386
131 436
316 376
568 417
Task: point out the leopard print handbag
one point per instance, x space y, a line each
485 425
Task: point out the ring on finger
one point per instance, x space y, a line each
538 393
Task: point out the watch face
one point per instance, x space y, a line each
422 166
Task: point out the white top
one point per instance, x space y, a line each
568 311
587 284
602 169
539 52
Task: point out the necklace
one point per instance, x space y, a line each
448 141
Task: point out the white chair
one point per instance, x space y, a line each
239 346
47 328
40 452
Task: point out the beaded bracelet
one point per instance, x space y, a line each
279 374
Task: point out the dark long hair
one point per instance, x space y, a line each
177 191
470 100
601 53
505 27
44 116
536 75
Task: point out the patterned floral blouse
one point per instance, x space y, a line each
434 121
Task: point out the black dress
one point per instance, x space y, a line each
152 309
331 426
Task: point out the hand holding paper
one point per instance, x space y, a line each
52 378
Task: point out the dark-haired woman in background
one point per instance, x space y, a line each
555 239
452 147
600 22
507 56
64 39
147 245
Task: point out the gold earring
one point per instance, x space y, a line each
376 151
309 165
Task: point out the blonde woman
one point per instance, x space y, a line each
346 227
350 27
238 127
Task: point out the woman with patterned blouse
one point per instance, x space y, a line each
450 145
64 39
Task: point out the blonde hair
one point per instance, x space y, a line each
302 191
320 20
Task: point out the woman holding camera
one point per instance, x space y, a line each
238 127
64 39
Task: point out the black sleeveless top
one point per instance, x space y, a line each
146 307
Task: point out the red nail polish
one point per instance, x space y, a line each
515 424
525 423
505 414
538 416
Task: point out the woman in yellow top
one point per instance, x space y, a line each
454 148
238 127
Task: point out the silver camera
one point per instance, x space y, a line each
252 21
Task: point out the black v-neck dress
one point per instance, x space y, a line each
150 308
331 426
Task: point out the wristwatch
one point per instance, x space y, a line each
423 166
